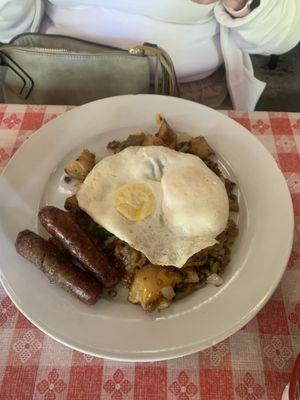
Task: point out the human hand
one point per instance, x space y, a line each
234 4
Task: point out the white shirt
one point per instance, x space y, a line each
194 47
198 37
17 16
177 11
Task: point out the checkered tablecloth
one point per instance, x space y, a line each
253 364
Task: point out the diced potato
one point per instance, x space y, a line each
167 135
183 137
146 288
135 139
151 140
159 119
199 147
80 167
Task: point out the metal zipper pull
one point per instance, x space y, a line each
136 51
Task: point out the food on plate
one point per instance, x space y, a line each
58 267
96 233
71 205
78 215
166 204
80 167
203 267
58 245
132 140
60 224
156 215
164 137
128 198
153 287
167 135
198 270
199 147
152 140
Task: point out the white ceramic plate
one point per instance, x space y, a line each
114 328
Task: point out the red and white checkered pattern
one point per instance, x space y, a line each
253 364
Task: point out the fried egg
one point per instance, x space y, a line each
166 204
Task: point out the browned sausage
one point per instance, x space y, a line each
60 224
79 216
58 268
57 244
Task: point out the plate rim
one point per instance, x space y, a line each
186 349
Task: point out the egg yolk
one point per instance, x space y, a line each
135 201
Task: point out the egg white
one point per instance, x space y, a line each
191 202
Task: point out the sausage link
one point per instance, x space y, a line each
57 244
60 224
82 219
58 268
79 216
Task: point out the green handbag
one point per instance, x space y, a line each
54 69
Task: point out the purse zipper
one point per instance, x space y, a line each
46 50
110 49
43 49
63 51
63 37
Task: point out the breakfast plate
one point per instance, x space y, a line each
114 328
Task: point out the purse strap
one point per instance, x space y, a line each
165 80
15 76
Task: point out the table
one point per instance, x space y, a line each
253 364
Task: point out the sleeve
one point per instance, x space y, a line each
272 28
18 16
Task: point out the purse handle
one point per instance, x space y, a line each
165 79
20 82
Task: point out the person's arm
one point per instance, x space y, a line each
18 16
272 28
